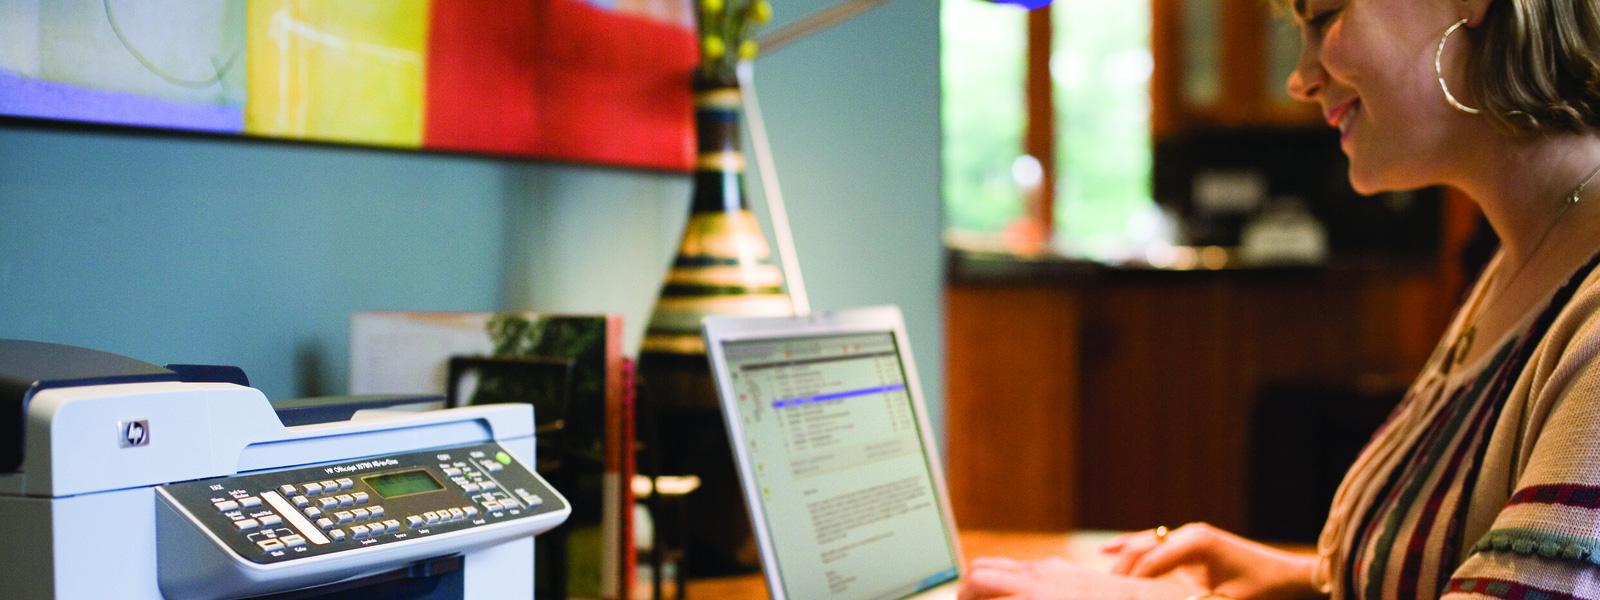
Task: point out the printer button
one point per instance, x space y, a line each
470 511
432 517
345 500
288 489
270 545
469 487
343 517
325 523
250 502
375 512
414 521
361 497
247 524
302 501
312 489
391 525
327 503
329 487
457 514
360 514
488 485
271 520
345 483
452 472
336 535
358 532
313 512
227 505
293 541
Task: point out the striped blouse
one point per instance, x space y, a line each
1484 482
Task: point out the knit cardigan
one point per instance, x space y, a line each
1484 482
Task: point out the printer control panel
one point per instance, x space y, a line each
284 515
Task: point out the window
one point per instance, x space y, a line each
1068 173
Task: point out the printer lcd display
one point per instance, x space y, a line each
404 483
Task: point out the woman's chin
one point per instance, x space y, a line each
1363 183
1367 182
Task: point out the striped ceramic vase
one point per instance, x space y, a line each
723 267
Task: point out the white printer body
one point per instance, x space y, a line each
122 479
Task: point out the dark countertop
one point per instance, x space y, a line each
969 267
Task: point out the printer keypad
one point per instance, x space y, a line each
273 517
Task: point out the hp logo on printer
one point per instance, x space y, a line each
134 433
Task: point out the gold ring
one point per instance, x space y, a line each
1161 533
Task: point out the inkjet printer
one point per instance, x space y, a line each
122 479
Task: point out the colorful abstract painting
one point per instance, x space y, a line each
593 81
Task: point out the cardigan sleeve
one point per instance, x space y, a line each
1545 540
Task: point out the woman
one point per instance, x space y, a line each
1485 481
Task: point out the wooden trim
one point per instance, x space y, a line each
1243 61
1039 141
1166 41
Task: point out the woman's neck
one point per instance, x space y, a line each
1523 186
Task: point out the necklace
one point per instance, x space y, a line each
1469 330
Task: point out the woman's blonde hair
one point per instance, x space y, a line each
1535 65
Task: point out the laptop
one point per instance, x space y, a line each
835 456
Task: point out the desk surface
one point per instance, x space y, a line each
1081 547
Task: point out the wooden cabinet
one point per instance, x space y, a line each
1125 400
1223 63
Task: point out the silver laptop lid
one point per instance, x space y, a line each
835 454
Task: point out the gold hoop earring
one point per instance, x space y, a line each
1438 69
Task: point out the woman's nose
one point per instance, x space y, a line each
1305 86
1308 78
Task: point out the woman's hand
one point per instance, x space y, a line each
1219 561
1056 578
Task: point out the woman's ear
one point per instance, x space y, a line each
1473 11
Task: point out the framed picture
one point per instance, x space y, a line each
590 81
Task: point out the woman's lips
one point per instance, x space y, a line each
1342 117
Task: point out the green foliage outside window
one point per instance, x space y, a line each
984 55
1101 65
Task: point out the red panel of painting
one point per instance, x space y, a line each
559 79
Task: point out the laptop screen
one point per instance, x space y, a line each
837 455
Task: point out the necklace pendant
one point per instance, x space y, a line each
1459 349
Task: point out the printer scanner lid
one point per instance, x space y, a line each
27 367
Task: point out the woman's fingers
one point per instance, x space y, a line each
1185 545
991 581
1117 543
997 562
1133 550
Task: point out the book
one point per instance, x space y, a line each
572 369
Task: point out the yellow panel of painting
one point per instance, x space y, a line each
349 71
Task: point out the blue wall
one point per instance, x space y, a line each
180 249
